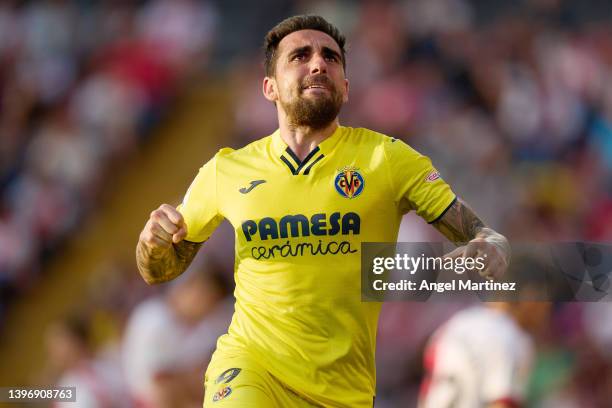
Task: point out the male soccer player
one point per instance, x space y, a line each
301 201
482 356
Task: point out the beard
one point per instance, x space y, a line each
315 112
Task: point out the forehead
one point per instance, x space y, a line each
314 38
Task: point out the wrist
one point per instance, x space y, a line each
498 240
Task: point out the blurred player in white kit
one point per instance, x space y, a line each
482 356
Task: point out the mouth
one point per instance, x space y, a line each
315 88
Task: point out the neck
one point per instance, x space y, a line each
302 139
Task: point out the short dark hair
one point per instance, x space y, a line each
297 23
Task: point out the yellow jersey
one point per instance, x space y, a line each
299 225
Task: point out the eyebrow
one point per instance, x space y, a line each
299 50
329 51
307 48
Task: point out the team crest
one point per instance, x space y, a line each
222 393
349 182
227 375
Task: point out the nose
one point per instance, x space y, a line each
318 64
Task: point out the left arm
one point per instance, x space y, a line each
462 226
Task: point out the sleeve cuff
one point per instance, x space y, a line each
444 212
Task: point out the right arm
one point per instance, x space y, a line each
162 254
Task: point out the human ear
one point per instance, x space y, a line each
269 89
346 91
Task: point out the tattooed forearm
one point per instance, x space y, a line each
460 224
157 266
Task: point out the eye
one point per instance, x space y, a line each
331 58
299 57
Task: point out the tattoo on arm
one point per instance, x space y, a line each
161 266
459 224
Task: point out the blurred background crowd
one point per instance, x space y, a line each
512 100
81 85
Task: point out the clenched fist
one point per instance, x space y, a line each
164 227
490 246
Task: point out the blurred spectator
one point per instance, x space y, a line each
170 338
72 363
178 30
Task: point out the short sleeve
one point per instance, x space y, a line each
200 205
416 184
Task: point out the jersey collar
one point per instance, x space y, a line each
293 163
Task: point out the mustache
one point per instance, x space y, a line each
320 79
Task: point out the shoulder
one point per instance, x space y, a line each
499 326
366 136
470 323
257 148
392 146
